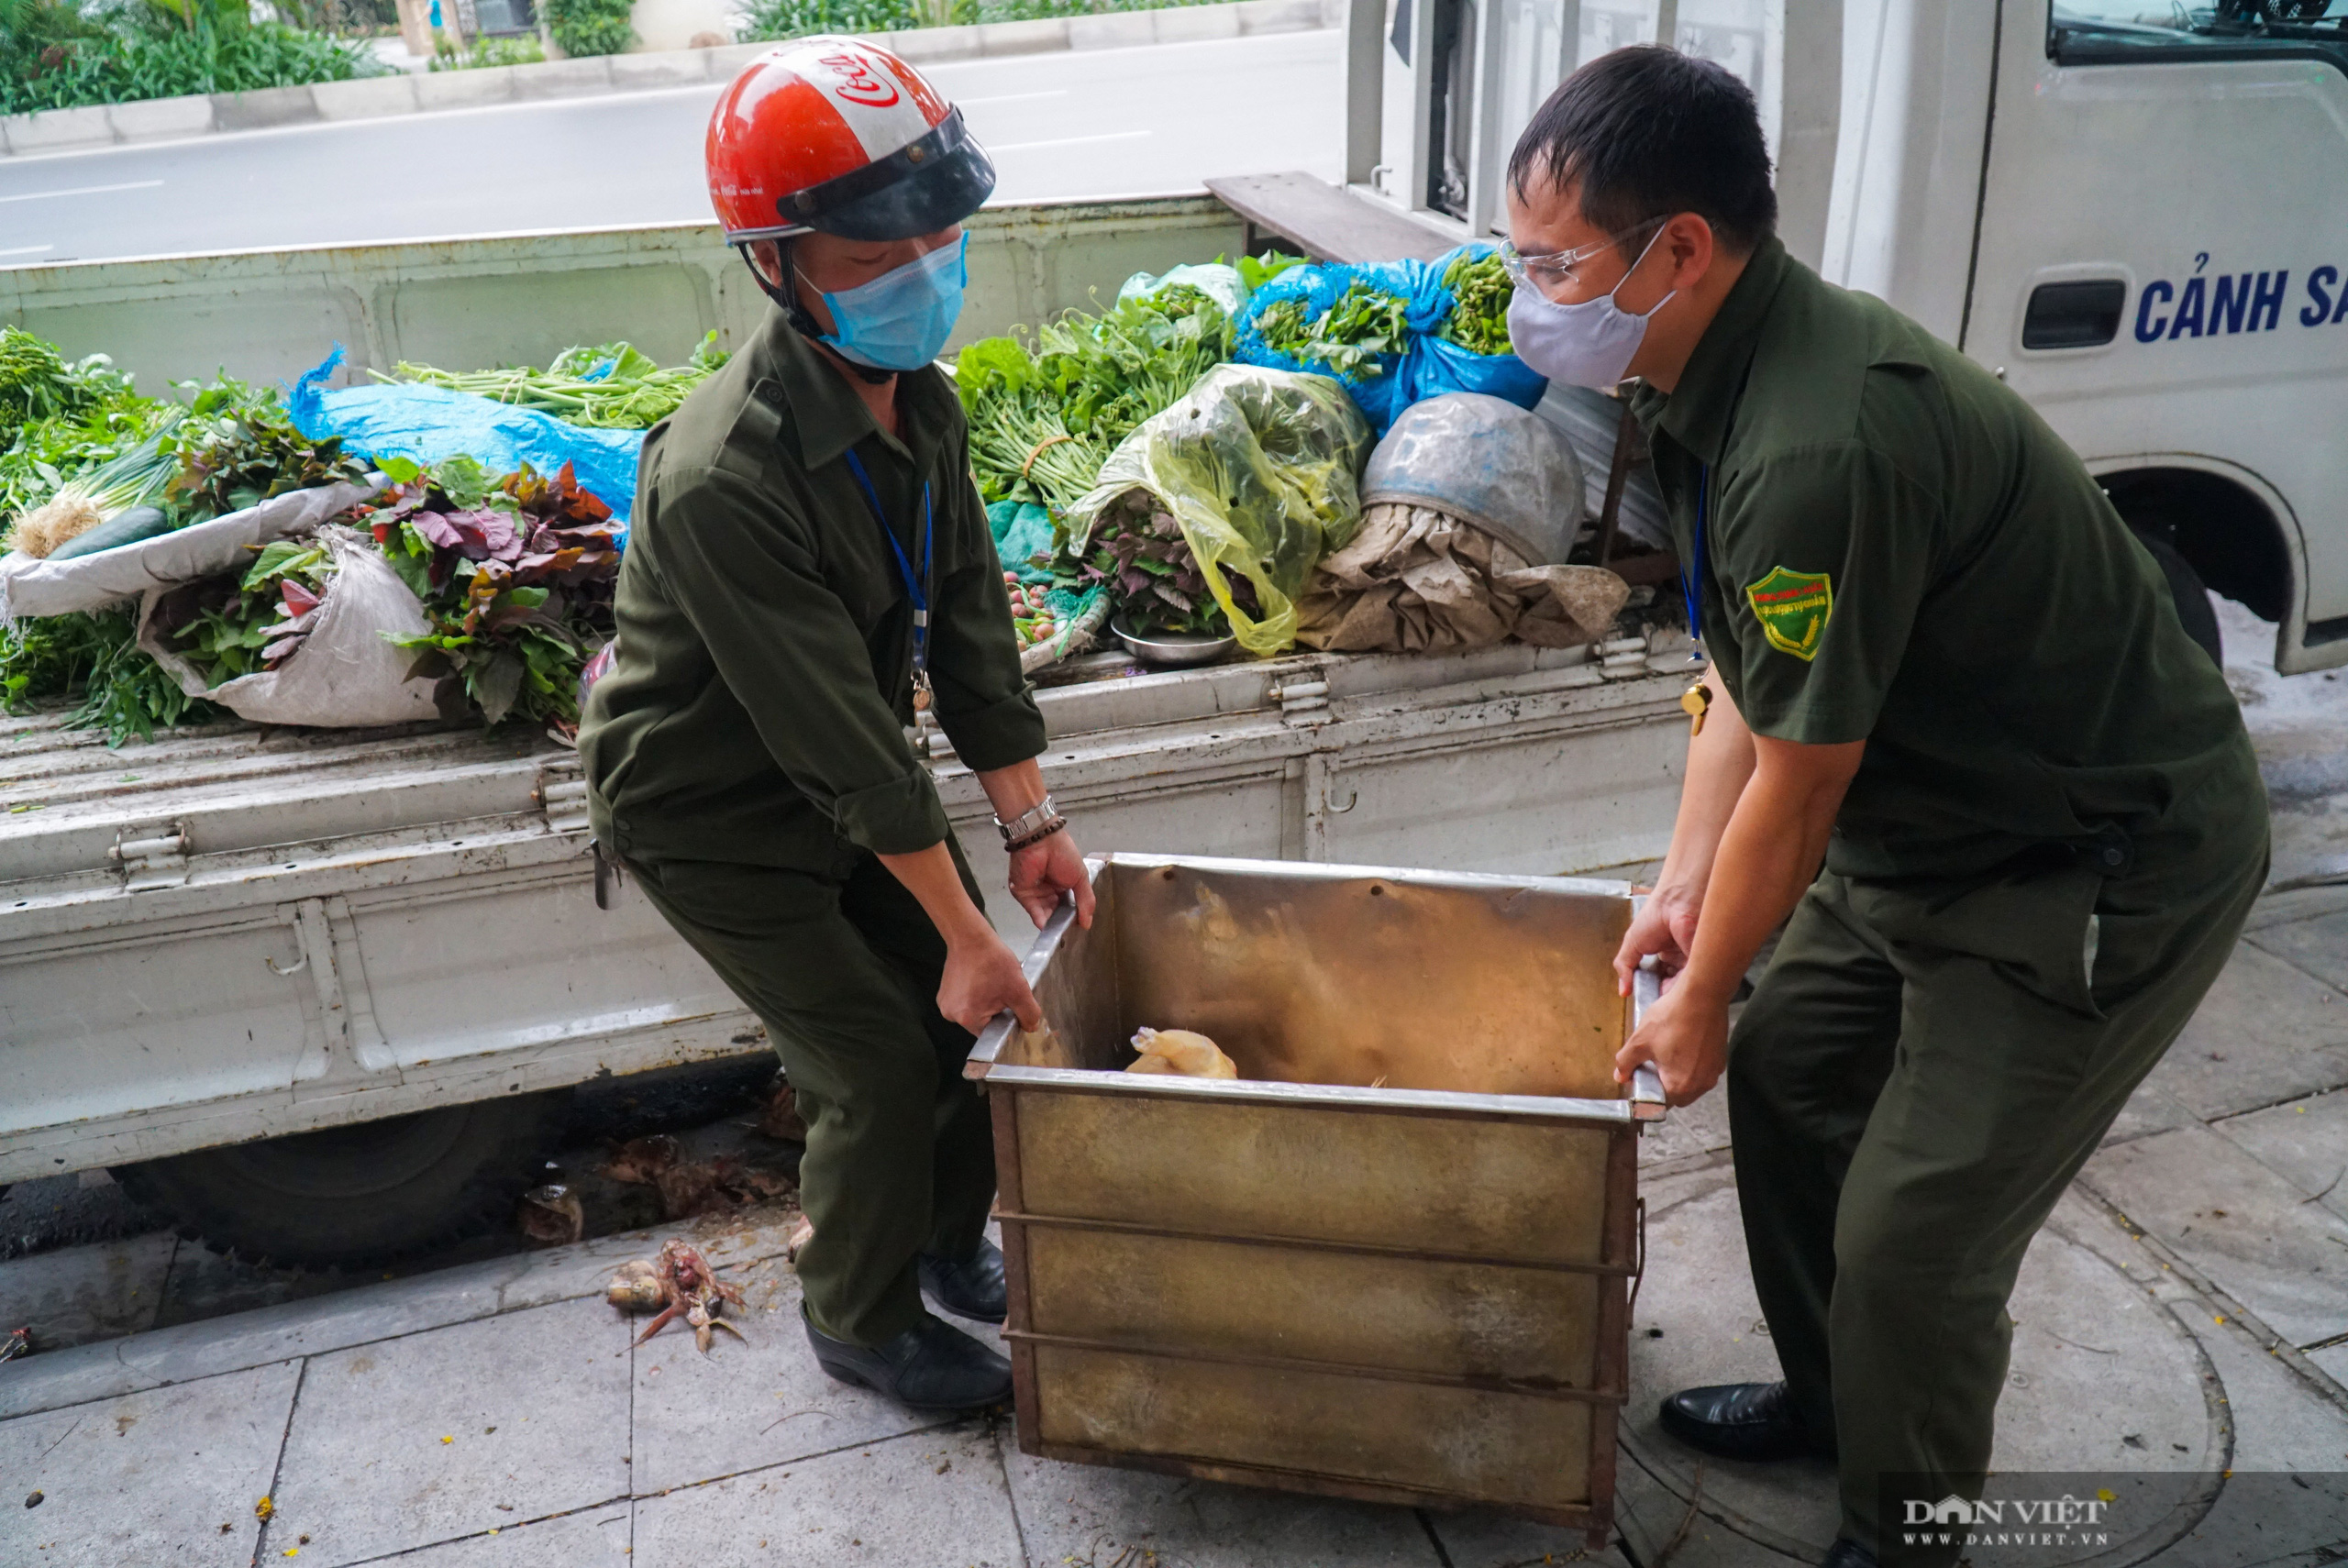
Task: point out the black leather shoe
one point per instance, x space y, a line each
972 1288
1848 1554
1742 1421
934 1367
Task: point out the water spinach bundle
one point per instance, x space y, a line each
1481 290
1346 340
605 386
1045 417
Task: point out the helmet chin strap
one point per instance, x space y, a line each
794 310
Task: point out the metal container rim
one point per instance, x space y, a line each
1644 1103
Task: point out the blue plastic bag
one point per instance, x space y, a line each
430 424
1374 387
1428 365
1435 365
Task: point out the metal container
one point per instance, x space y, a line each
1391 1261
1172 649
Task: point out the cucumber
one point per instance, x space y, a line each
127 527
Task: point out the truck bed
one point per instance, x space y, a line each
235 932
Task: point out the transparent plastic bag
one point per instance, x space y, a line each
1259 466
1217 280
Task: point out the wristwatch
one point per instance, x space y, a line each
1035 823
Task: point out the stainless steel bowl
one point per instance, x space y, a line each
1173 648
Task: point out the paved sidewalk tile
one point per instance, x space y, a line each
2305 1143
75 1295
747 1406
2237 1223
1093 1513
2320 945
146 1479
1495 1541
591 1538
2266 1033
933 1500
1688 1131
370 1312
2152 1108
2278 1421
419 1439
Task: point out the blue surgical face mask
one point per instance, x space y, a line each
1586 345
900 321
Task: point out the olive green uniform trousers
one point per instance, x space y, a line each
844 970
1921 1072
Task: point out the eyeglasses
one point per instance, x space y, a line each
1552 269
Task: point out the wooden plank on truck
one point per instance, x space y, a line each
1326 222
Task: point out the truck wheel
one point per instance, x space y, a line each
2193 606
350 1197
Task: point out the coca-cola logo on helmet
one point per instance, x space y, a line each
858 82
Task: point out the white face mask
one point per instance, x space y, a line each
1585 345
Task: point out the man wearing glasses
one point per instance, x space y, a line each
1941 666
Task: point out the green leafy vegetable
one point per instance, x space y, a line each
610 386
1256 270
136 478
59 421
1021 447
516 584
243 624
1153 576
1364 322
1043 419
96 658
1480 289
237 447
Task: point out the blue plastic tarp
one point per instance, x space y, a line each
1022 538
1428 365
431 425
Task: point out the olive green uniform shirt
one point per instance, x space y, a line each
1899 550
758 708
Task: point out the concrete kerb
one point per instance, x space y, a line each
173 119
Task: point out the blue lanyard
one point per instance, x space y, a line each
916 590
1689 580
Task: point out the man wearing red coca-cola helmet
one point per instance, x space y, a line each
809 566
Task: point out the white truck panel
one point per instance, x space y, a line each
1916 82
523 298
2080 186
364 925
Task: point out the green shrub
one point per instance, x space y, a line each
489 51
589 27
772 20
124 68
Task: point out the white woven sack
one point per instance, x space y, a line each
344 675
51 587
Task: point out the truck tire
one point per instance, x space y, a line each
361 1195
2192 596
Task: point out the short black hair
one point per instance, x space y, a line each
1646 132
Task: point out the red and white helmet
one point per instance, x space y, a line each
839 136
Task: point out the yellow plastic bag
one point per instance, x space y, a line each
1259 468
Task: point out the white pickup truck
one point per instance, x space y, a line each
2133 211
321 993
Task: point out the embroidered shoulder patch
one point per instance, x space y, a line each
1792 607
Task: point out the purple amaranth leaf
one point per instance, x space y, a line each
492 532
437 528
